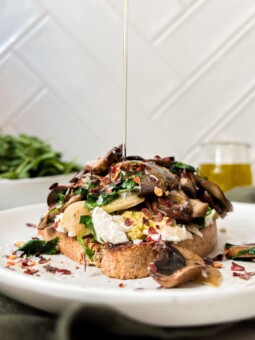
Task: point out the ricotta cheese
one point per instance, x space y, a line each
107 230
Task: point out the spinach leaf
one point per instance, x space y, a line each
38 247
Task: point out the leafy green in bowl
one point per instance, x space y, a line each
26 156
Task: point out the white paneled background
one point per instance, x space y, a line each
191 74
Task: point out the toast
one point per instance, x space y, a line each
120 210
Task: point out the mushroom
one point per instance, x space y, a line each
159 177
53 196
199 208
174 265
220 203
187 184
103 163
176 205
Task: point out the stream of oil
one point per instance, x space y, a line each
125 79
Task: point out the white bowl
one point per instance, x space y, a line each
18 192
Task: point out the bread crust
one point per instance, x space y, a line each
127 261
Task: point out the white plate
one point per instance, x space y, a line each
139 299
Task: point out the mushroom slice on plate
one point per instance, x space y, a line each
123 203
175 265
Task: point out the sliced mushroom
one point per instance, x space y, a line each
174 266
73 199
159 177
53 196
123 203
221 204
187 184
199 208
44 221
176 205
103 163
240 252
71 219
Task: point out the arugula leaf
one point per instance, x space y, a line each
88 251
87 221
26 156
38 247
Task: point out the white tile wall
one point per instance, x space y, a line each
191 74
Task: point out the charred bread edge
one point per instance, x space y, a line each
127 261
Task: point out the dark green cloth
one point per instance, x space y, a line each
18 322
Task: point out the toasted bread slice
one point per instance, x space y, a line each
127 261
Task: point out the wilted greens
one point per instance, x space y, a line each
26 156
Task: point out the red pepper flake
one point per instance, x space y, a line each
137 180
31 225
152 268
50 268
121 285
236 267
43 260
106 180
217 265
152 230
128 222
24 264
148 239
55 225
244 276
145 221
147 212
64 271
157 226
29 271
159 217
169 221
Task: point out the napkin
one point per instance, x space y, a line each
18 321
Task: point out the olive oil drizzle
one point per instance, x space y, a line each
125 79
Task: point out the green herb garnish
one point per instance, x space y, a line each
177 167
26 156
88 251
87 221
38 247
100 200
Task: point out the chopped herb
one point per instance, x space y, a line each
88 251
250 251
209 210
81 191
177 167
61 198
87 221
38 247
93 200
